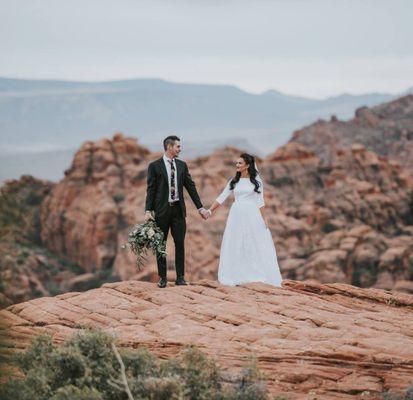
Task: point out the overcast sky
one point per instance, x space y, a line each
314 48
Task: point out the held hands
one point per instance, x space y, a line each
205 213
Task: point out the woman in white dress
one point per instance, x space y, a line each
247 250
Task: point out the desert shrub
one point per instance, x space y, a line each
86 367
118 197
249 385
200 375
329 227
20 207
408 395
36 355
74 393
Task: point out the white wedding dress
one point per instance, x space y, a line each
247 250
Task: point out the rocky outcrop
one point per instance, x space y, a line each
27 269
345 215
351 221
348 222
87 214
313 341
386 129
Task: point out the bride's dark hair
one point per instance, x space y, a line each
250 161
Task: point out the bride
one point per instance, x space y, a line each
247 249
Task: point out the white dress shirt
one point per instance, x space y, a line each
166 160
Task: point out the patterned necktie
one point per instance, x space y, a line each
172 180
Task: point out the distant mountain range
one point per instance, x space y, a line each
40 117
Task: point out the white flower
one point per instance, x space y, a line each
151 232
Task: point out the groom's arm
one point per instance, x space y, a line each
191 188
151 188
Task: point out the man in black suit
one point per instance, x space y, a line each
166 179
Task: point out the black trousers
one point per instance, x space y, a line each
174 220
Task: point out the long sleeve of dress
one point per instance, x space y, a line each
260 196
224 194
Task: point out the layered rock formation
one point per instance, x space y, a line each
345 215
349 222
87 214
313 341
27 268
386 129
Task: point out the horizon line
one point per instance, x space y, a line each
405 91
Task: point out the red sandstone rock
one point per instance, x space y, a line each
345 215
312 208
336 341
386 129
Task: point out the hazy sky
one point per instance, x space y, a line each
314 48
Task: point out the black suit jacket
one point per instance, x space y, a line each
157 194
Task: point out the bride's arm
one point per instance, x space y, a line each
260 200
220 199
214 206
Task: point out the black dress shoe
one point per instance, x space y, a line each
180 281
162 282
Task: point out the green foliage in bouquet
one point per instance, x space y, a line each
90 367
144 237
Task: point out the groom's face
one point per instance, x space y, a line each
175 149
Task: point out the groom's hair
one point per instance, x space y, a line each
169 140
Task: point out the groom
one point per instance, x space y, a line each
166 179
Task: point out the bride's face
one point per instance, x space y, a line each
241 165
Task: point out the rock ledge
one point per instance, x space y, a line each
335 341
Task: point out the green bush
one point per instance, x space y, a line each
86 367
249 385
395 396
20 202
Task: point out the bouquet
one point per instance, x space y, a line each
144 237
